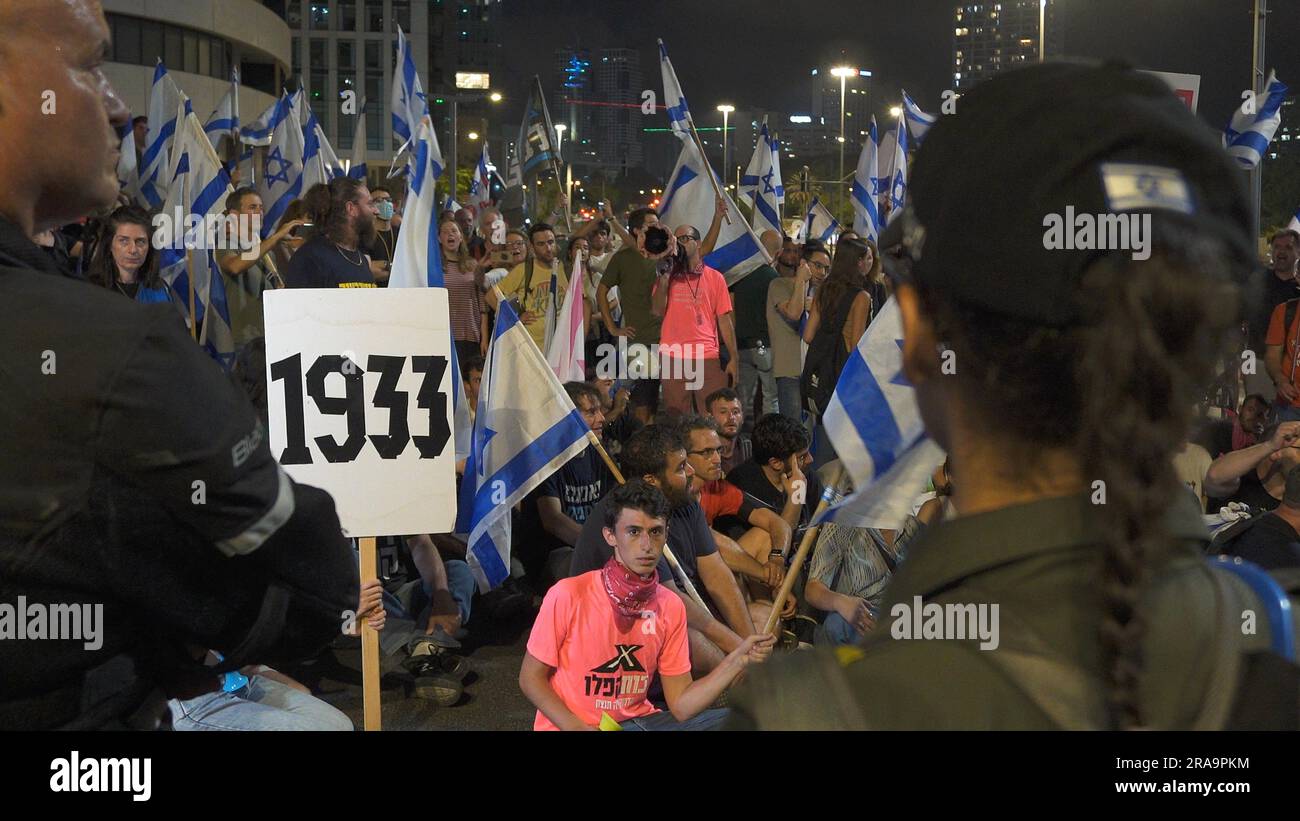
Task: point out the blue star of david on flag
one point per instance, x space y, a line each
281 175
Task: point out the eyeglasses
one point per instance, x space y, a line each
707 453
516 245
690 237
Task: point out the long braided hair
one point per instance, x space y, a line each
1118 390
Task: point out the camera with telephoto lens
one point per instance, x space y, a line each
656 240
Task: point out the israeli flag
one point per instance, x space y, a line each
875 426
480 189
358 168
898 176
689 200
566 347
258 132
281 180
679 115
762 183
165 99
525 430
320 163
1294 224
196 197
865 191
918 122
819 223
408 102
1247 137
224 121
417 261
451 205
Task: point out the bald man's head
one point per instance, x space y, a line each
58 113
771 241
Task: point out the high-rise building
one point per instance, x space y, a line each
988 37
572 93
199 43
857 104
617 116
350 45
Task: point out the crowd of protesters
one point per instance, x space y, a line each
724 460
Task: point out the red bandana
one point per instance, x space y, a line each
629 592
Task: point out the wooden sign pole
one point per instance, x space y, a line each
369 642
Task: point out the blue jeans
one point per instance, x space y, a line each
1285 412
404 612
264 705
663 720
750 376
787 394
835 630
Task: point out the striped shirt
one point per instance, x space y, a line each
464 300
851 561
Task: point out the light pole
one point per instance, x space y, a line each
726 140
844 73
469 82
1042 30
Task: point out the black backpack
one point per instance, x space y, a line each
826 357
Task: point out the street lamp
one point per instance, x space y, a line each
560 128
844 73
473 85
473 135
895 111
726 110
1042 30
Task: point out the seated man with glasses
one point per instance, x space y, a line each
758 553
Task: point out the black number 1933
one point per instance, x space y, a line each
389 445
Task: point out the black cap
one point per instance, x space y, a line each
1031 148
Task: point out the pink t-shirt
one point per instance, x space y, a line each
683 325
604 662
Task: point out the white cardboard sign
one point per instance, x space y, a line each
360 398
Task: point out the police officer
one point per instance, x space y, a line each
143 520
1076 366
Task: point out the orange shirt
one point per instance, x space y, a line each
604 662
1277 335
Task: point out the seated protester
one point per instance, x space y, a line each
777 470
603 635
1220 436
724 406
1255 475
259 698
1191 464
757 554
658 455
556 510
344 217
1272 540
850 568
620 422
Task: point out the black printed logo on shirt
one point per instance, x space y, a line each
625 660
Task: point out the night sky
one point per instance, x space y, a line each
758 53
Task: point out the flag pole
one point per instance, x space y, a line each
668 553
189 262
809 537
555 160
